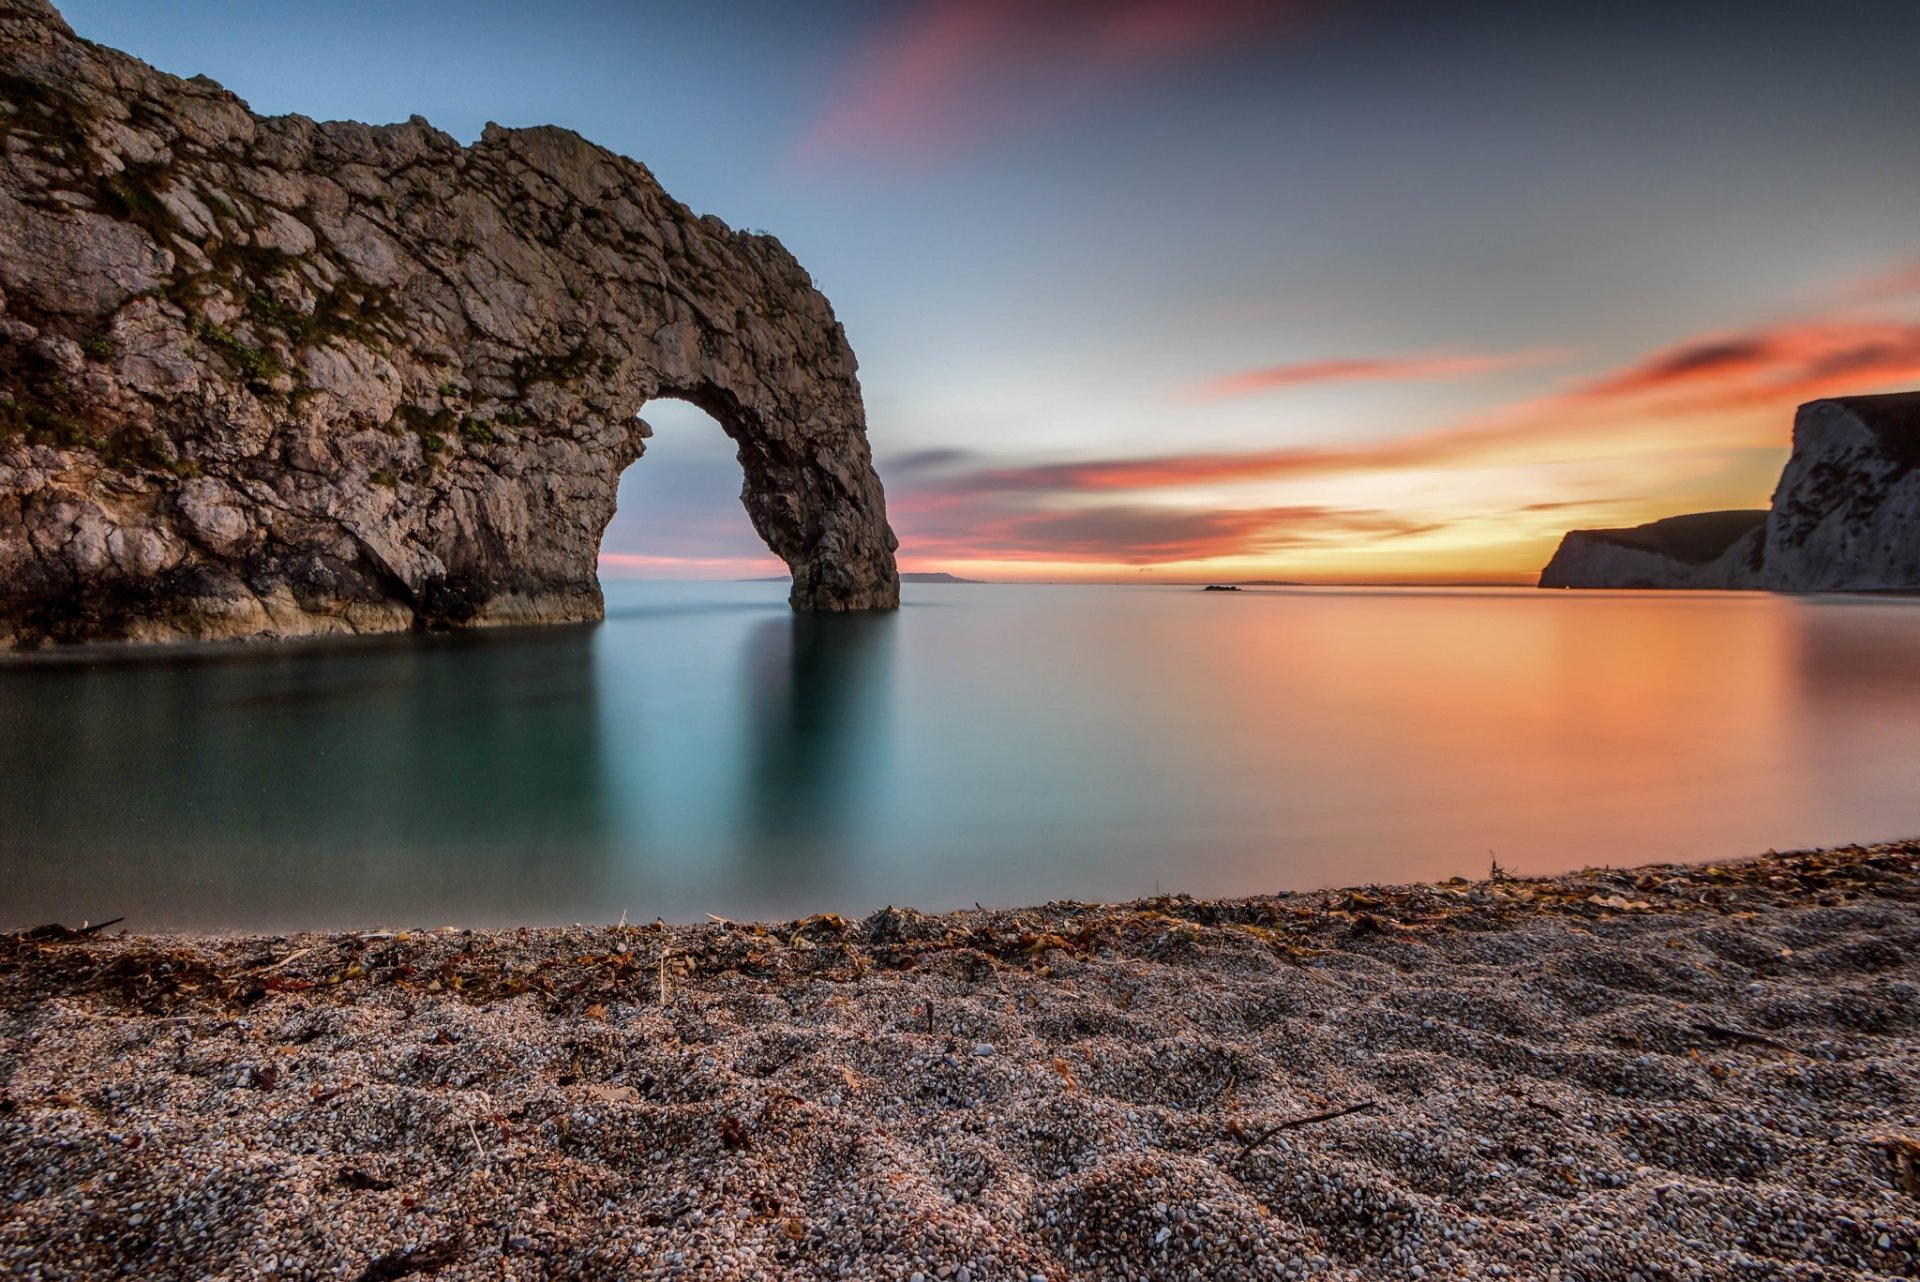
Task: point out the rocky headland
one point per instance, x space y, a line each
271 377
1845 518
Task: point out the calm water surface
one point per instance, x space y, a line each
706 751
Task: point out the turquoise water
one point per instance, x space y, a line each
705 750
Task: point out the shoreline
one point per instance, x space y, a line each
1499 899
1680 1070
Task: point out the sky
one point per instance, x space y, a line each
1323 290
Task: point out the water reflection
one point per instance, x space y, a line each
410 778
1856 655
1858 683
708 751
815 734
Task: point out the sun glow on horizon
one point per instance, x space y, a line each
1698 425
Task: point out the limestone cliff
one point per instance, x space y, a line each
1704 550
266 376
1845 517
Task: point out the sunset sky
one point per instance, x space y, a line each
1309 289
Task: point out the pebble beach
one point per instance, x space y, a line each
1674 1072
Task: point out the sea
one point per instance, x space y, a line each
707 751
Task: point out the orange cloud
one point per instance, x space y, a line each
1769 370
1704 396
1132 534
1780 365
952 72
1369 369
636 565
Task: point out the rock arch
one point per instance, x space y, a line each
267 376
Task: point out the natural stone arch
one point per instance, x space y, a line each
800 492
263 376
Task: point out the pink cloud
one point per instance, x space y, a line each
1769 369
1778 365
638 565
1130 534
1901 282
1370 369
950 73
1753 378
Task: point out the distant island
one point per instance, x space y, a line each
1845 517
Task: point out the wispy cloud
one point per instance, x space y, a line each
1888 286
638 565
1771 366
1438 365
1770 369
1135 534
917 463
950 73
1699 421
1713 393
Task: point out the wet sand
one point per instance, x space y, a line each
1660 1073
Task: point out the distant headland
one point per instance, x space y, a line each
1845 517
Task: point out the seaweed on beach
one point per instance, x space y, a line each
1677 1070
570 969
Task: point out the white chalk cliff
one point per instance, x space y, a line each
1845 518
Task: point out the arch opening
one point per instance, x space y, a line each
678 512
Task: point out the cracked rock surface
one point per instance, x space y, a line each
272 377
